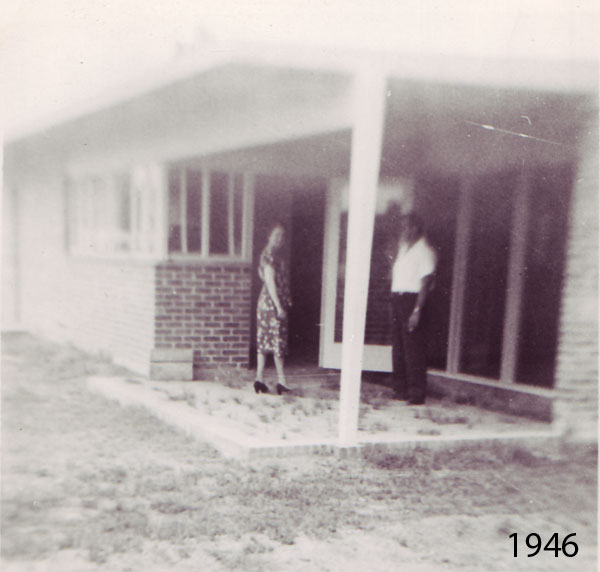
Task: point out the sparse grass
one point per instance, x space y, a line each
506 528
234 378
114 483
431 432
374 397
309 410
319 407
363 411
188 396
441 417
378 426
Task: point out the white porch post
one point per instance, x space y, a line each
161 246
367 133
516 280
248 217
459 277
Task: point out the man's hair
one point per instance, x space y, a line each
413 220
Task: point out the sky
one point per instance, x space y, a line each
54 53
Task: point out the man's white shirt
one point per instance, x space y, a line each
412 265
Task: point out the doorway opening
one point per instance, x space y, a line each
298 204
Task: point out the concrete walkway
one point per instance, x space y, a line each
234 436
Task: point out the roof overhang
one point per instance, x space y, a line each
565 75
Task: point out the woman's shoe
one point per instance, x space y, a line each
282 389
260 387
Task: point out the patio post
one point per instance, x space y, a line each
369 112
516 280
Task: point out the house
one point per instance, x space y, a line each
134 226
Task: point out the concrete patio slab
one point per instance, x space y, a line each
173 403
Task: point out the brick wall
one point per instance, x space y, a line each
577 362
205 307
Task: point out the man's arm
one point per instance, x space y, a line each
415 317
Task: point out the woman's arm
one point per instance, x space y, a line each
272 289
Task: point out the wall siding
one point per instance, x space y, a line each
99 305
204 307
110 308
576 382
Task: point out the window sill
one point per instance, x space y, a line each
116 257
144 258
200 260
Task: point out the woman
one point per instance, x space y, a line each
271 311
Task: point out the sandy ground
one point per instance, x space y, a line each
87 485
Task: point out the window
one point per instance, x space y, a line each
115 213
175 210
219 213
122 213
488 256
543 270
194 210
207 213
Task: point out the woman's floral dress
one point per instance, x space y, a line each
271 330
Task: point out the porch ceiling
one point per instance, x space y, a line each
461 128
325 155
444 128
297 121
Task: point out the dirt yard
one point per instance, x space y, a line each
88 485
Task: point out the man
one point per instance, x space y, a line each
412 279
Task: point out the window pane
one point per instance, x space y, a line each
194 210
123 200
101 204
238 211
174 210
73 237
98 206
121 213
86 209
150 200
488 257
219 206
544 267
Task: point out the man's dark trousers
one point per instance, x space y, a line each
409 349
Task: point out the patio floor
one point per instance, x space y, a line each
229 415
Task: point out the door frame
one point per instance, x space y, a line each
375 357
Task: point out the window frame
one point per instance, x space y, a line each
84 205
247 192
